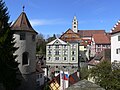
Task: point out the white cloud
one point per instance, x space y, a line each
39 22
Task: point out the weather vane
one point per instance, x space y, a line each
23 8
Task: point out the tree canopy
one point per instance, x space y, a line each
105 76
8 65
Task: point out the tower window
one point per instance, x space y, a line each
25 58
118 38
74 26
33 37
74 22
22 36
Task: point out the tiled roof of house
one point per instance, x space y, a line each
101 39
22 23
103 55
70 36
116 28
89 33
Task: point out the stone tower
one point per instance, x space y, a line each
75 24
25 38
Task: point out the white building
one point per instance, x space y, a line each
115 43
61 56
25 38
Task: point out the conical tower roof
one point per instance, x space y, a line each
22 24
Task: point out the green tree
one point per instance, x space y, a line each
8 65
105 76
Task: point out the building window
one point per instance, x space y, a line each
64 52
49 46
65 58
49 52
40 75
98 45
74 26
22 36
56 58
38 83
56 46
56 52
74 22
73 53
37 76
49 58
65 46
118 51
33 37
25 58
118 38
73 58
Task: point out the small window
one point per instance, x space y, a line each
74 26
22 36
49 46
118 38
25 58
73 53
56 52
33 37
73 58
56 46
56 58
74 22
40 75
65 58
49 58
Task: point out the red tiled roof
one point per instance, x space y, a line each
89 33
116 28
70 36
101 39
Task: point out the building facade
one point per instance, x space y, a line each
115 43
61 56
25 38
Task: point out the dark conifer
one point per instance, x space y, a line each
8 65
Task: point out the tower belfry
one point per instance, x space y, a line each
75 24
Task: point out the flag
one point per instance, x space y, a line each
65 76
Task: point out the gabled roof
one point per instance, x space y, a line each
57 40
22 23
101 39
70 35
116 28
89 33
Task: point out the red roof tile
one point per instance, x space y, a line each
89 33
22 23
101 39
116 28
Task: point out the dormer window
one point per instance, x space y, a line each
22 36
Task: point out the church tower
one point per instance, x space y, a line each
75 24
25 38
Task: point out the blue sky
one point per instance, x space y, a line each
55 16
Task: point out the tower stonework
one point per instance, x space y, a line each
25 38
75 24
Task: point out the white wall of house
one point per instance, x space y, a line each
115 47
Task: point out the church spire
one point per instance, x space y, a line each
75 24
